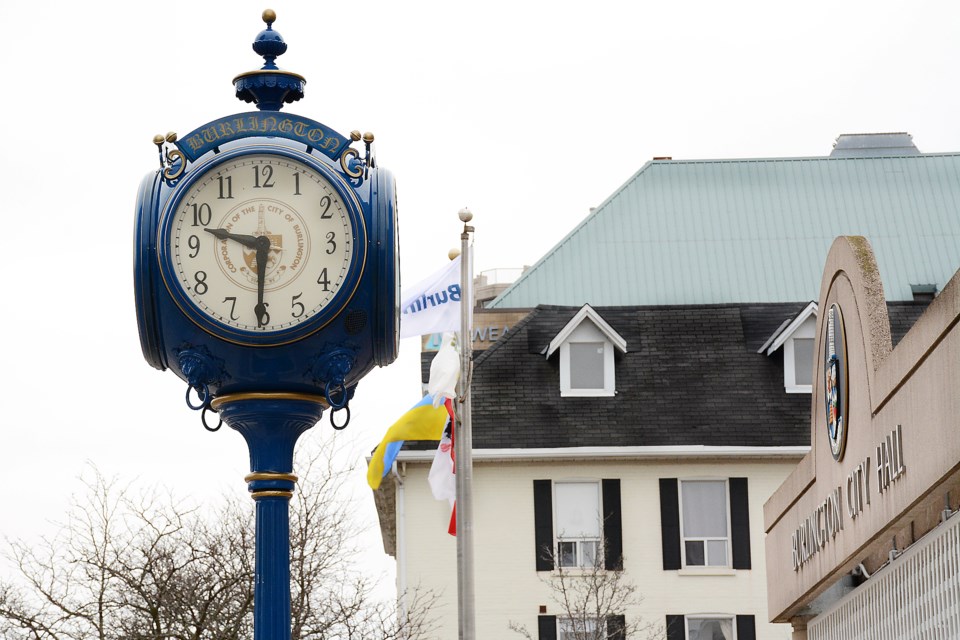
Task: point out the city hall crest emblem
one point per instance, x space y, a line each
836 398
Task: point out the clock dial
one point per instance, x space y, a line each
261 243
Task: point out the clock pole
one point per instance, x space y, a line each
271 423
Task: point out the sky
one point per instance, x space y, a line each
527 112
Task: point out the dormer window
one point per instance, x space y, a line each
586 345
798 361
796 336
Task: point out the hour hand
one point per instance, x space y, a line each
223 234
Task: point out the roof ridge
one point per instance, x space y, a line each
902 156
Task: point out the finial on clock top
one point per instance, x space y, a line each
270 86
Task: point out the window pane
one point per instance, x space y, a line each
586 365
710 628
694 552
578 509
588 551
717 553
568 554
569 628
704 508
803 360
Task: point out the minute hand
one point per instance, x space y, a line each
223 234
262 244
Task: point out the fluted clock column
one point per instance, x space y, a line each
271 423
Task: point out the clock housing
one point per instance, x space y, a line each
314 261
344 328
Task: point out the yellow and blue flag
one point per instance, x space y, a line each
423 422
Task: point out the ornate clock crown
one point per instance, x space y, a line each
270 86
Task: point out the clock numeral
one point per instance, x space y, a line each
298 308
324 280
202 214
267 172
200 282
325 203
233 307
194 243
228 183
331 242
264 319
296 183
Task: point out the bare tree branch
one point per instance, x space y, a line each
589 598
127 565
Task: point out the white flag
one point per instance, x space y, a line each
433 304
445 370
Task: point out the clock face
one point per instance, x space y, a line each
261 244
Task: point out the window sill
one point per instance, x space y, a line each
707 571
587 393
580 572
799 389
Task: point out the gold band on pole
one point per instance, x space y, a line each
256 495
269 475
219 401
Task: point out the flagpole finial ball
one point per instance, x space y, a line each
269 16
465 215
453 253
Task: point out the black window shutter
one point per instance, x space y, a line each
740 523
746 628
616 627
670 523
675 627
543 523
612 526
547 627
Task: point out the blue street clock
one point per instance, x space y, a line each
265 256
266 277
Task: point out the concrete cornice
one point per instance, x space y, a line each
686 452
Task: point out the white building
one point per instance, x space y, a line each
675 420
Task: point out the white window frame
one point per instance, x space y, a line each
578 541
587 332
803 325
587 326
591 627
710 616
808 331
684 538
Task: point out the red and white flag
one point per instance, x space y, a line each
444 373
442 476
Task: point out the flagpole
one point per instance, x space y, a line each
463 441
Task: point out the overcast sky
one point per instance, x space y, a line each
529 113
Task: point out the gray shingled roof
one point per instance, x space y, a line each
691 376
742 231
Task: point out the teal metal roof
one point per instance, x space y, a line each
737 231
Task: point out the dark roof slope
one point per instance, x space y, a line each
691 376
903 315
